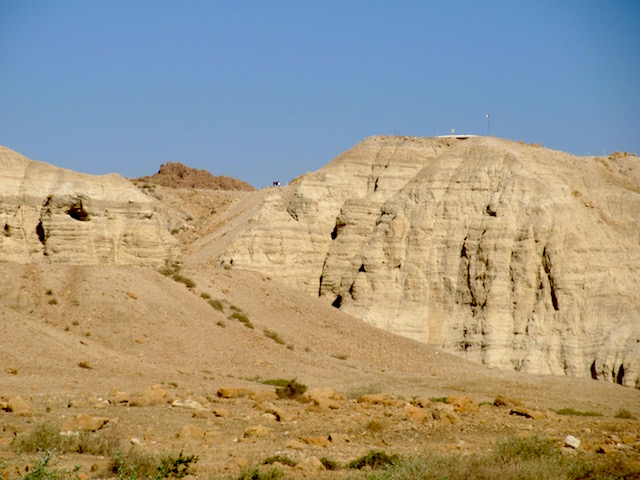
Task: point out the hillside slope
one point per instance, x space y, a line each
509 254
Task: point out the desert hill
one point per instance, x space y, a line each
508 254
172 355
175 174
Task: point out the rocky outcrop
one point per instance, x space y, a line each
49 214
509 254
177 175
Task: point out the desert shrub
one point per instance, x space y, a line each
257 474
235 308
340 356
43 471
438 399
136 464
577 413
524 448
85 365
221 323
292 389
329 464
176 467
53 301
512 459
205 295
624 413
373 459
49 438
217 304
280 458
276 382
182 279
274 336
44 438
242 318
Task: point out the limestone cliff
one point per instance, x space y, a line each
49 214
510 254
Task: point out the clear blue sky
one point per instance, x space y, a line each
266 90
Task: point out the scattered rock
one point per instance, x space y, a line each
235 392
318 441
501 401
258 431
311 464
18 405
295 444
84 422
118 397
153 395
571 441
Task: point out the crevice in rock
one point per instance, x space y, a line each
490 211
594 372
7 230
77 212
334 232
620 375
546 264
361 269
320 286
337 302
40 232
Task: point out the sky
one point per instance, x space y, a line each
269 90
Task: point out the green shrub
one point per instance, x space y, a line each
182 279
48 438
577 413
257 474
274 336
292 389
242 318
276 382
217 304
529 448
373 459
176 467
136 464
42 470
625 414
280 458
329 464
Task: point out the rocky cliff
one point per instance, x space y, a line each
49 214
510 254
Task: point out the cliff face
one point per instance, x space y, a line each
48 214
509 254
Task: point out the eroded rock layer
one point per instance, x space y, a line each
510 254
49 214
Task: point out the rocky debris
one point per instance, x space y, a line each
85 423
17 405
515 256
119 398
324 398
192 432
310 464
572 442
53 215
235 392
150 396
177 175
259 431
